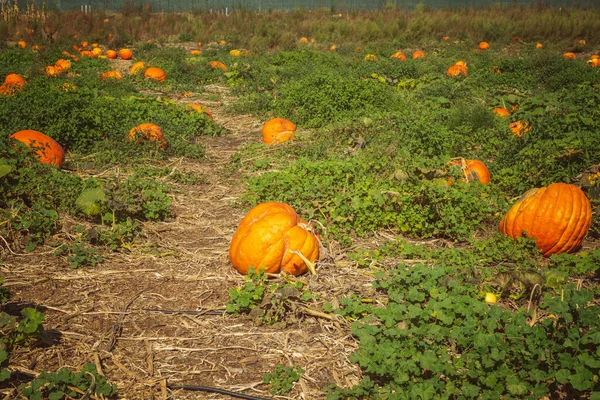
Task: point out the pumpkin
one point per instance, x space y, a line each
557 216
235 53
501 112
273 238
52 71
94 45
125 54
96 51
47 149
22 43
418 54
484 45
137 68
222 42
200 108
9 90
496 69
474 170
156 74
398 56
14 79
460 68
217 65
370 57
86 53
278 130
303 40
62 65
570 55
594 61
333 47
112 54
196 52
84 44
148 131
518 128
199 44
112 74
445 38
539 45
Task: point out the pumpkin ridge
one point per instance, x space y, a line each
554 207
580 225
563 208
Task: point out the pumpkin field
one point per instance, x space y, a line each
300 205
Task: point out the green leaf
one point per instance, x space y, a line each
4 375
5 169
89 201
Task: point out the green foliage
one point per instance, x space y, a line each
244 299
435 325
16 331
282 379
68 384
271 303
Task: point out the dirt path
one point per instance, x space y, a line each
126 315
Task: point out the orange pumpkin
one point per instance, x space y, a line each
474 170
62 65
22 44
519 128
570 55
52 71
14 79
112 54
370 57
112 74
218 65
418 54
278 130
445 38
201 109
557 216
96 51
484 45
539 45
501 112
148 131
303 40
398 56
156 74
137 67
196 52
86 53
273 238
125 54
47 149
460 68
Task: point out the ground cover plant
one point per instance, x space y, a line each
121 250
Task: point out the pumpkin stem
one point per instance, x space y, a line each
309 264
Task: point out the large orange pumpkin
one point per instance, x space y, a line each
273 238
278 130
125 54
484 45
47 149
557 216
112 54
398 56
14 79
460 68
156 74
474 170
418 54
148 131
62 65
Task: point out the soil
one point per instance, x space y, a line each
152 317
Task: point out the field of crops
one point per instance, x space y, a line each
411 139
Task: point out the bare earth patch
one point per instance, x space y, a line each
153 317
